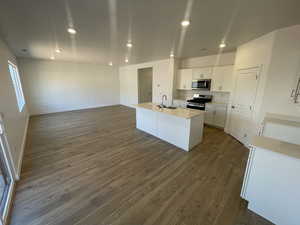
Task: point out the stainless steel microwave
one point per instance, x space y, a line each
203 84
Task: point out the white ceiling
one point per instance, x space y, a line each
152 25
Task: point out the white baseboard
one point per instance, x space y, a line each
43 112
130 106
19 166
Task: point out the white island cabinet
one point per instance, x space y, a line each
180 127
271 182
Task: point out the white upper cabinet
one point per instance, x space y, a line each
184 79
222 78
202 73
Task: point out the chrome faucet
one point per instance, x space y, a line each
162 100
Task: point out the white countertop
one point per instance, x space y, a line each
282 119
180 112
275 145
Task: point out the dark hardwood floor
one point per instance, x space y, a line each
92 167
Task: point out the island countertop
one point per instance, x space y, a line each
180 112
275 145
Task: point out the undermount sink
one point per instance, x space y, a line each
166 107
171 107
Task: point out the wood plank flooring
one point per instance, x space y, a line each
92 167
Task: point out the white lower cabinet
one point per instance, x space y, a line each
271 181
209 114
215 114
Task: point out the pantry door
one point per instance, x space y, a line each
242 125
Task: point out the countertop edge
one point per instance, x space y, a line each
168 113
274 145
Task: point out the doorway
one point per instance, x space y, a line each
242 124
7 179
145 78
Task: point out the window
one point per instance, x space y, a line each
14 73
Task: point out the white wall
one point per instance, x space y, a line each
52 86
15 121
221 59
283 73
256 53
163 79
278 54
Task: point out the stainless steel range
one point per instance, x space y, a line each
198 101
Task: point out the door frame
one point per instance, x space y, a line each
259 72
7 158
138 81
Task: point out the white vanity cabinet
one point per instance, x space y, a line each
222 78
215 114
184 79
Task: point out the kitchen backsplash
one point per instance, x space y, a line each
222 97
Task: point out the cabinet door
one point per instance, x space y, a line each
222 79
202 73
220 115
228 78
184 79
217 79
209 114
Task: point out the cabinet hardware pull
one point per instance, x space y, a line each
297 92
292 94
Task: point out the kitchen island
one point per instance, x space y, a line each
180 127
271 182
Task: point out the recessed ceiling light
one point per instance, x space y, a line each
52 57
126 60
57 50
129 44
185 23
222 45
72 30
110 63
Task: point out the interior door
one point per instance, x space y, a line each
242 125
145 80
